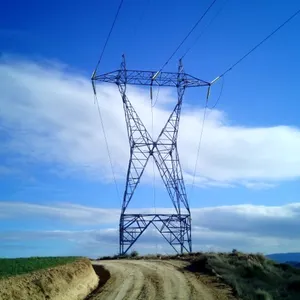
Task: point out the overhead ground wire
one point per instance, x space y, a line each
205 27
187 36
109 34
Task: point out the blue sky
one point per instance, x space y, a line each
54 170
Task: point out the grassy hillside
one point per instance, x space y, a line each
16 266
252 276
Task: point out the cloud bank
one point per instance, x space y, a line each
48 116
248 228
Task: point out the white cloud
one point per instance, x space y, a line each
65 212
54 121
246 227
259 185
278 221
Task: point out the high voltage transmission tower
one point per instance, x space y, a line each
176 227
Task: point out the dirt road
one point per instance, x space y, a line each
147 279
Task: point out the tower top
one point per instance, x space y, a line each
149 78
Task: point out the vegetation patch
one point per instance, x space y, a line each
134 255
17 266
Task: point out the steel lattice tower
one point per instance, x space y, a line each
175 228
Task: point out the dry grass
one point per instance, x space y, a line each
252 276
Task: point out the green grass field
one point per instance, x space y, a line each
17 266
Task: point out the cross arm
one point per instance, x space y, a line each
150 78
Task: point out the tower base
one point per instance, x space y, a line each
175 228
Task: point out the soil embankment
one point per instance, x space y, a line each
73 281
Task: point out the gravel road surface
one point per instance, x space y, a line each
157 279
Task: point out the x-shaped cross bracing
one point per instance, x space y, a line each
163 150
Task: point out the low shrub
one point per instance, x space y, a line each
134 253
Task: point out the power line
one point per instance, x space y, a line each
201 33
109 34
260 43
222 75
107 147
96 99
157 94
186 37
199 147
217 101
220 95
153 167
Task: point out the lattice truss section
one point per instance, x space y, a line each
175 228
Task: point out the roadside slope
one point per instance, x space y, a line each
72 281
154 279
